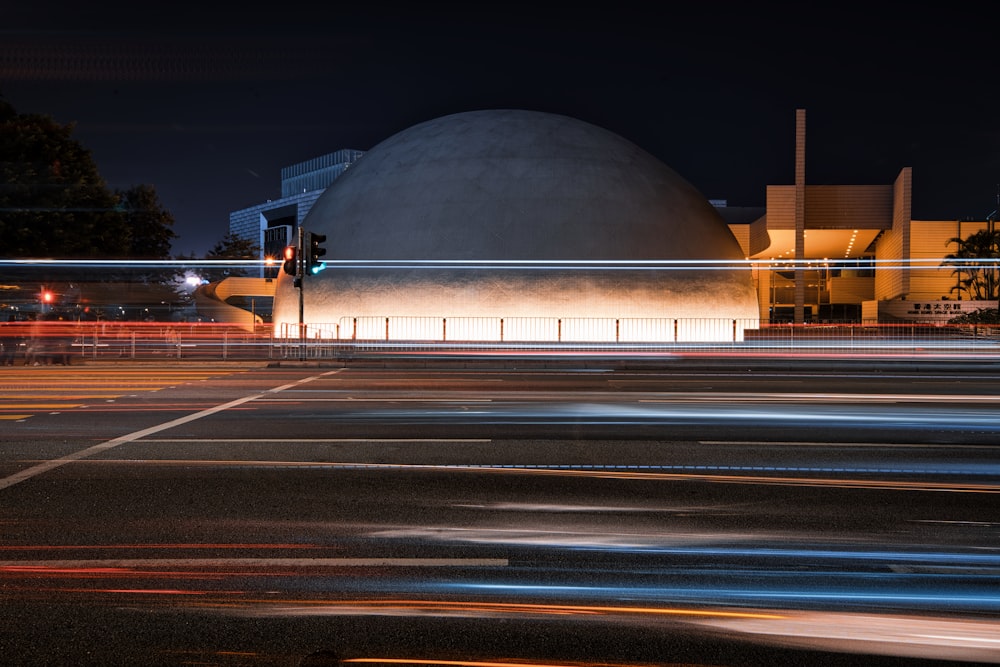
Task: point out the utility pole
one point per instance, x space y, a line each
990 229
991 218
300 272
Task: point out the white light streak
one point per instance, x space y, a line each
554 264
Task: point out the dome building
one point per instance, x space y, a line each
518 225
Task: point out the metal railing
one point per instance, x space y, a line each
61 342
531 329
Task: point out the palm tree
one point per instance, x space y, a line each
979 279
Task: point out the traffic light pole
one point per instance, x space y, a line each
300 271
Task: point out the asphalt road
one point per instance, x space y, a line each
711 514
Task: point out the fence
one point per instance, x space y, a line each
66 342
533 329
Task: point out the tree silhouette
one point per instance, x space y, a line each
149 225
230 247
979 279
54 203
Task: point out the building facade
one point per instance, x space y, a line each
851 253
820 253
273 224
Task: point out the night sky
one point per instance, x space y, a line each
208 104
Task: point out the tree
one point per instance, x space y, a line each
147 232
979 279
149 225
54 203
231 247
52 199
980 316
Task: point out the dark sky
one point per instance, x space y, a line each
209 103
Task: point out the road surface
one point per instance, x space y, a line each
241 514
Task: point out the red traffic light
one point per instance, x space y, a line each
291 265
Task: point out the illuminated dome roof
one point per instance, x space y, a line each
454 200
516 185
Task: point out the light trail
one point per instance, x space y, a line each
627 472
158 546
771 397
51 464
480 663
702 264
296 607
924 637
40 389
321 440
954 418
43 566
38 406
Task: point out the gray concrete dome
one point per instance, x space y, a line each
515 186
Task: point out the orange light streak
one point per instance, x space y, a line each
483 663
526 608
178 545
895 485
143 591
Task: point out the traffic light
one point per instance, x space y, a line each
316 252
291 265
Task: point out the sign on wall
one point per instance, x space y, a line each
925 311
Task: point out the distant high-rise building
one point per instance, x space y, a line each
272 225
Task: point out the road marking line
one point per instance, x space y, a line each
46 466
38 406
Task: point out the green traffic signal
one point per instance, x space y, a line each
316 252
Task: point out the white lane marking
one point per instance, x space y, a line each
46 466
256 562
